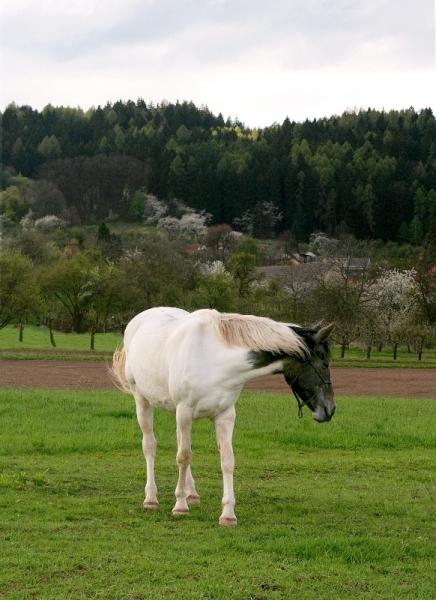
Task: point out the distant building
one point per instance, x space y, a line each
297 276
307 257
307 269
355 267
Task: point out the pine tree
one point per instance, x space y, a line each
50 147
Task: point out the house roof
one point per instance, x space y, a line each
305 275
296 276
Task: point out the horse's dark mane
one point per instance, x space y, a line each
264 358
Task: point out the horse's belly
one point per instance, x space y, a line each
163 403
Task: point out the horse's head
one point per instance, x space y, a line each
309 378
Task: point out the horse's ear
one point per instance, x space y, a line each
323 333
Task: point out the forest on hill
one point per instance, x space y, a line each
370 173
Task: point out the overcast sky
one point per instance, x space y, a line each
258 60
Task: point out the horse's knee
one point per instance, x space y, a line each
149 445
184 457
228 464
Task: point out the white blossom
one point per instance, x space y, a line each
193 224
169 223
49 222
27 222
392 298
154 210
394 291
320 243
212 268
190 224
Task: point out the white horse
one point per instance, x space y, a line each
196 364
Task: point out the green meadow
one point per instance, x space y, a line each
356 357
38 338
326 511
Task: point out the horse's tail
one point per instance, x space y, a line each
118 370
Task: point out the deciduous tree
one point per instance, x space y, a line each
20 295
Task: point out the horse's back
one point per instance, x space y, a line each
150 319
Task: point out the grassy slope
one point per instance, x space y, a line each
341 510
36 345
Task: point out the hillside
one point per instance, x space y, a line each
370 173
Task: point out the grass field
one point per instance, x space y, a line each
334 511
37 338
36 345
356 357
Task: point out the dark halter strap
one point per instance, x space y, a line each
299 402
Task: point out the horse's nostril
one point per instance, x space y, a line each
328 413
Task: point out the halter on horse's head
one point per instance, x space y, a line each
309 378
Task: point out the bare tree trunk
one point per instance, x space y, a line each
420 349
21 332
395 350
50 330
93 338
343 347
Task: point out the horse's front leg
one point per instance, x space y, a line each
184 455
224 424
192 496
144 413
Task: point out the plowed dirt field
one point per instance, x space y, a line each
54 374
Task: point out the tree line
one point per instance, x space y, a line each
368 173
86 280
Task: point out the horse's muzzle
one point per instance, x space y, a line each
324 413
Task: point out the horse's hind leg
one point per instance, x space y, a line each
191 493
144 413
184 454
192 496
224 424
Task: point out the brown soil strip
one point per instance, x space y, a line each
410 383
53 374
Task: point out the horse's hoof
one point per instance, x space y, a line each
228 521
151 505
193 499
178 512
